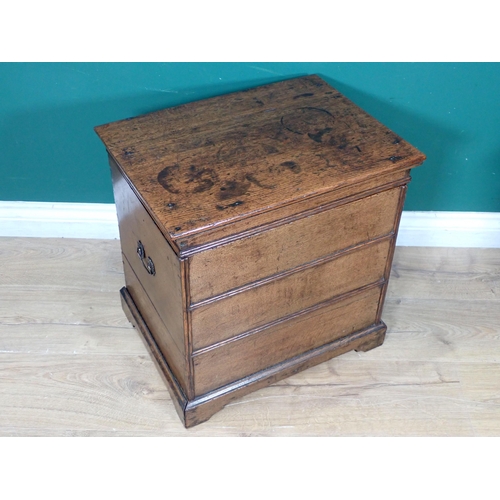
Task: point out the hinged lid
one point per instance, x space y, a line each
211 163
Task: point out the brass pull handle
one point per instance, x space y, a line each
146 261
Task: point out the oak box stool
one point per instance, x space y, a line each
257 231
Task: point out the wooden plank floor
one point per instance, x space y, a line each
70 363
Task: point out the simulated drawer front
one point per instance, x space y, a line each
294 291
236 359
226 267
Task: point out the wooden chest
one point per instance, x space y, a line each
257 230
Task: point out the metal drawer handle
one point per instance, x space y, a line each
146 261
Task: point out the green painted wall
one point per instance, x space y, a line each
49 151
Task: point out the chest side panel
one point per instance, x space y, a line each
247 260
174 356
164 287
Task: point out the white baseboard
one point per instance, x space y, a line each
58 220
450 229
98 220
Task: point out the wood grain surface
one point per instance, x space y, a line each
173 352
234 314
213 162
302 163
251 225
290 245
242 356
165 286
71 365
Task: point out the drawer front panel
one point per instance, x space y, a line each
163 337
252 223
237 359
164 288
235 264
235 314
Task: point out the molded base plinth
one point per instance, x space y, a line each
200 409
